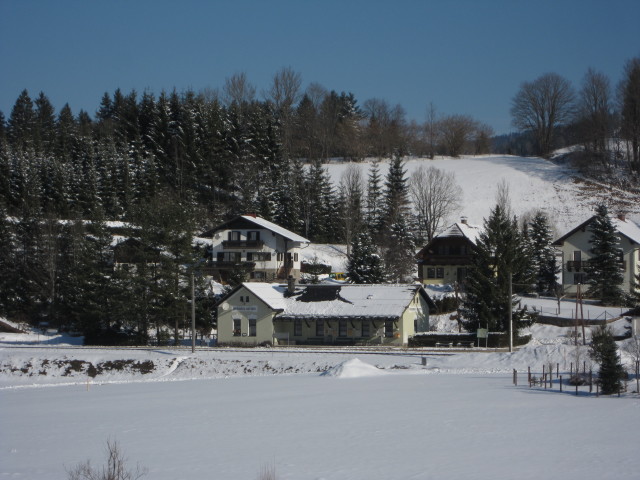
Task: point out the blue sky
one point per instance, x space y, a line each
465 56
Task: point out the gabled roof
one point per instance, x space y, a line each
379 301
626 228
461 229
259 223
457 230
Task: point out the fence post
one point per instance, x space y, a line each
515 377
560 383
590 380
529 373
557 369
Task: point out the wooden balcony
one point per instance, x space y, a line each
230 244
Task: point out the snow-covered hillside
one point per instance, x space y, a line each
534 183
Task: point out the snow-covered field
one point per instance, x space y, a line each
534 183
310 414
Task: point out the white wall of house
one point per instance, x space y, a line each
242 306
235 318
579 242
274 244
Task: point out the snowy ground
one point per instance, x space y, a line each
310 414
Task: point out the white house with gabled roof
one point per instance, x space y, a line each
260 313
264 250
575 248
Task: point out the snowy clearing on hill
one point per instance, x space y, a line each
534 184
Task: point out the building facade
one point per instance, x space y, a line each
575 249
446 259
262 250
261 313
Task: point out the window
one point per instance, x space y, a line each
342 328
319 328
254 236
252 327
234 236
259 256
280 256
237 330
620 256
366 328
435 272
431 273
295 257
257 275
577 255
388 328
233 257
439 272
297 328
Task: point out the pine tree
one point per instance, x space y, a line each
604 269
542 254
399 256
45 124
604 351
22 123
395 238
373 217
499 255
365 264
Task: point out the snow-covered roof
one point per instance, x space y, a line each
624 227
275 228
628 229
332 301
262 223
462 229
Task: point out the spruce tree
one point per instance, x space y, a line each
542 254
500 254
22 123
605 352
365 264
604 269
373 216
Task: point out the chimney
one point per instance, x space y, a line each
621 217
463 220
291 285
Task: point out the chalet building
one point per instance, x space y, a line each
446 259
575 249
265 313
264 250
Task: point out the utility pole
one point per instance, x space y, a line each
193 314
510 310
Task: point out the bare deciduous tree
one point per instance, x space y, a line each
352 193
285 93
456 131
629 99
115 469
435 196
541 106
593 111
237 89
482 138
431 130
503 197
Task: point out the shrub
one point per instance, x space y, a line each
115 469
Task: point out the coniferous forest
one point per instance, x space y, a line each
167 167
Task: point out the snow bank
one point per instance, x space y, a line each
354 368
